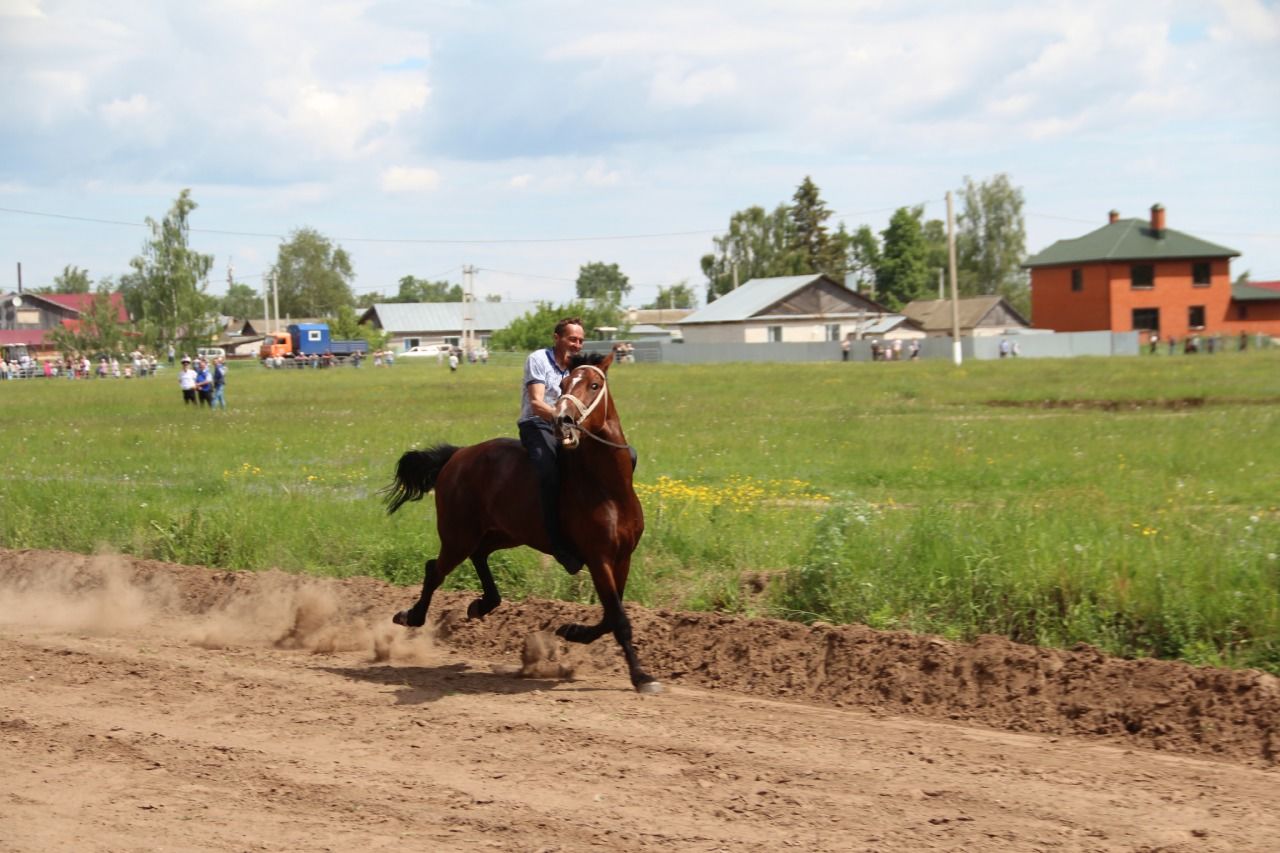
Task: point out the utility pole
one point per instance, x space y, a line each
19 276
956 355
941 280
468 299
275 298
266 307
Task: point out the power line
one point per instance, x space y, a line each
431 241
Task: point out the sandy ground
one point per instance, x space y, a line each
146 706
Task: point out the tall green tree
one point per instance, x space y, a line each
534 330
241 301
420 290
757 245
676 296
345 325
605 282
904 272
72 279
862 257
991 239
817 250
165 290
313 276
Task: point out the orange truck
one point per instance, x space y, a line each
307 339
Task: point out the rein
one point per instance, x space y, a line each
585 411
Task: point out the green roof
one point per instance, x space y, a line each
1128 240
1243 291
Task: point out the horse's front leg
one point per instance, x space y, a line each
614 619
416 616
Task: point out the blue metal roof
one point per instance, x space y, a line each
750 299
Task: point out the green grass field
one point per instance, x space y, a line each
1137 513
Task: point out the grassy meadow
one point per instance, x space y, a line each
1130 503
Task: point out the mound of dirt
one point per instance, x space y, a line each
992 682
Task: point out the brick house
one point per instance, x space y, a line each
1138 274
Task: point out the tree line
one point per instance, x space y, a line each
166 288
896 266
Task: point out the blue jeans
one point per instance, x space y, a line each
218 398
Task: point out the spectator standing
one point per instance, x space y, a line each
204 383
187 382
844 350
915 350
219 384
172 353
453 362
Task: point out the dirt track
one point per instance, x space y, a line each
146 706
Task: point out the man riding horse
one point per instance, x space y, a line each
544 370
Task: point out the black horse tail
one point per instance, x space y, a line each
416 474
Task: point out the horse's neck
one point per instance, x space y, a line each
610 466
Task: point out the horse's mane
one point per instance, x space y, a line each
591 358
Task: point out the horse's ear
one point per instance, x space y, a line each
604 364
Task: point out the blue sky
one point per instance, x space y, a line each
530 138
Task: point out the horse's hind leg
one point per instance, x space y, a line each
416 616
491 598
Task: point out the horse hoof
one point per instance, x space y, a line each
403 618
651 688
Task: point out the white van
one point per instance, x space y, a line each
210 353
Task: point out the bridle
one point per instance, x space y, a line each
584 411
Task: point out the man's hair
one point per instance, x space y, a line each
567 321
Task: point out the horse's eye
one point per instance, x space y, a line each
595 386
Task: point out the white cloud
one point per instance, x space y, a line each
520 182
597 175
676 87
409 179
20 9
1247 20
123 110
349 121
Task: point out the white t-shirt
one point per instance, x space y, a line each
187 379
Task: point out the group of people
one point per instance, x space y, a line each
203 383
1193 343
80 367
887 351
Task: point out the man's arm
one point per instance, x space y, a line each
536 390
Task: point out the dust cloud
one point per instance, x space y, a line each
105 594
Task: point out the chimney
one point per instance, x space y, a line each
1157 220
1114 216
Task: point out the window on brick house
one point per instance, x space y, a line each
1147 319
1242 311
1200 274
775 334
1142 276
1077 280
1195 316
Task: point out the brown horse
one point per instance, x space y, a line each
487 500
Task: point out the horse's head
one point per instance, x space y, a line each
584 398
